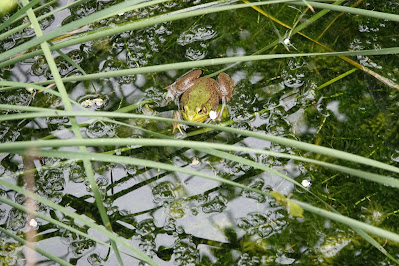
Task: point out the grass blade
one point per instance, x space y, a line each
31 245
351 10
140 162
280 140
75 127
17 14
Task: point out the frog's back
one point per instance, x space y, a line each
205 91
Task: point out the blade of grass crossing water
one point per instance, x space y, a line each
220 61
351 222
55 222
69 27
139 254
351 10
343 57
157 165
336 78
31 245
115 30
50 220
294 31
362 233
27 24
228 157
14 84
170 142
280 140
72 63
335 19
17 14
75 127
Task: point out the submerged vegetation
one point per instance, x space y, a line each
304 169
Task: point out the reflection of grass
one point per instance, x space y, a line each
233 153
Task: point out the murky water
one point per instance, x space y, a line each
181 219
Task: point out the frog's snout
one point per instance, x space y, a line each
189 115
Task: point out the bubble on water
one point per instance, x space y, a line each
112 64
262 224
95 259
65 68
8 133
257 183
16 220
170 225
19 97
51 184
19 198
147 245
81 246
77 173
294 81
77 55
176 209
246 259
51 180
245 34
216 204
84 10
185 253
102 183
131 169
46 21
163 191
196 33
8 43
3 213
195 54
194 211
78 245
127 79
99 129
59 121
146 226
40 66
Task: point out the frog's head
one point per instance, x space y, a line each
196 114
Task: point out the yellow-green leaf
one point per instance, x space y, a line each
294 209
280 198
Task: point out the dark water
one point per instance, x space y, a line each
180 219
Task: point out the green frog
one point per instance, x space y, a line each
200 96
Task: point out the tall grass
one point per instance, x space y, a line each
45 43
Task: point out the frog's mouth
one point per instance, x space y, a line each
194 116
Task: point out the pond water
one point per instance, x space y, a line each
181 219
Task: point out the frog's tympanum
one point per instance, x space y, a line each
200 96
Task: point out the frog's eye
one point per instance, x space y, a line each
204 109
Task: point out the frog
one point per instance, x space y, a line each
200 96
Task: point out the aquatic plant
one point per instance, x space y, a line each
137 140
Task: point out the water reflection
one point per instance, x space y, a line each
194 39
183 219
